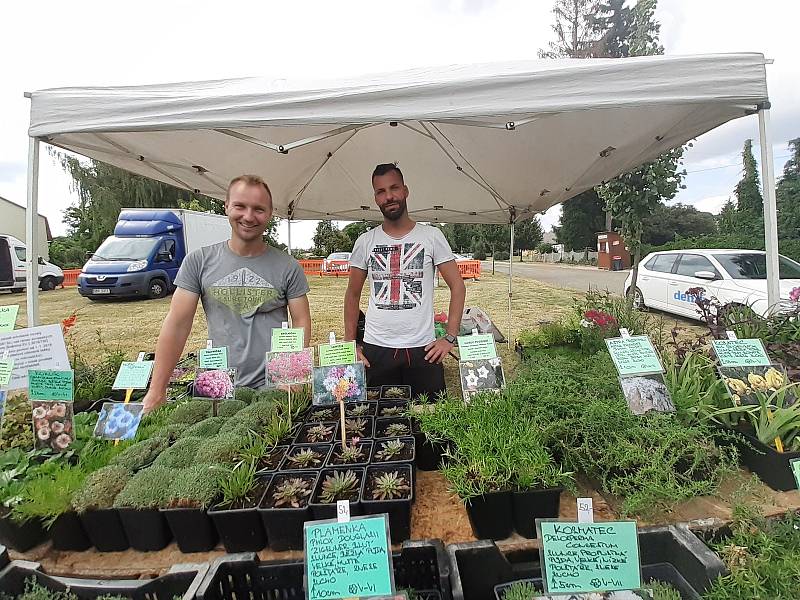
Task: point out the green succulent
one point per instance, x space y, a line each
396 430
194 487
392 411
100 488
222 449
206 428
190 412
305 458
390 450
389 486
140 454
323 414
228 408
355 427
147 489
395 392
341 485
293 492
359 410
351 453
319 433
181 454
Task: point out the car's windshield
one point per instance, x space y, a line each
117 248
754 266
339 256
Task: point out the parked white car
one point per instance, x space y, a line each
338 262
13 275
734 277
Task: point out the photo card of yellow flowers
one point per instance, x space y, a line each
745 384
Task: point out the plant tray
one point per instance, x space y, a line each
771 466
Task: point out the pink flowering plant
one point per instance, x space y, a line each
794 295
216 384
52 424
289 368
339 383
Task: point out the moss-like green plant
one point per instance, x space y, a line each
195 487
222 449
228 408
181 454
49 494
206 428
140 454
390 486
341 485
255 417
147 489
246 395
190 412
171 431
100 488
520 590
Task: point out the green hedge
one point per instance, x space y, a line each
789 248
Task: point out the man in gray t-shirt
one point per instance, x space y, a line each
246 288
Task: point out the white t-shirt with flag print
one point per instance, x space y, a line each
400 274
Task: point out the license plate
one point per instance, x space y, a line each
100 291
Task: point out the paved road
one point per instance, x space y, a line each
569 277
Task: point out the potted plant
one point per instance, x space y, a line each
355 454
207 427
141 454
284 508
15 467
305 457
222 449
360 409
316 433
395 392
386 427
390 489
320 414
360 427
94 504
373 394
138 504
181 454
191 491
392 408
235 514
334 485
538 484
393 450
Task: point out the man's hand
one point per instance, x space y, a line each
152 400
360 356
436 351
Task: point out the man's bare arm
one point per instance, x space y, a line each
352 299
301 317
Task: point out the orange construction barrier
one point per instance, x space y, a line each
71 277
470 269
311 267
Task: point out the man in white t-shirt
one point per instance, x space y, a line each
400 259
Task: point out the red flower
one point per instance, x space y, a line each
69 322
600 318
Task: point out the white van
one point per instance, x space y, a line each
12 267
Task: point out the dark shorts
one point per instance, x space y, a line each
404 366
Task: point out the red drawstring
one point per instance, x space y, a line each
408 355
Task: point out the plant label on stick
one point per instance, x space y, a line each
476 346
289 368
634 355
34 348
731 335
53 424
741 353
589 557
339 383
367 569
795 464
133 375
287 340
338 353
50 385
343 511
8 317
585 510
623 331
118 421
6 369
213 358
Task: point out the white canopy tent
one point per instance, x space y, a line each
491 143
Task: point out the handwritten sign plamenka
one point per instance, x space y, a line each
339 353
8 317
288 340
476 347
6 369
34 348
634 355
589 557
133 375
213 358
348 560
50 385
741 353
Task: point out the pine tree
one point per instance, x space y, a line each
749 203
575 33
787 193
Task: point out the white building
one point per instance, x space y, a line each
12 217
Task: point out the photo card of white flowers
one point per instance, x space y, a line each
53 424
646 393
346 383
215 384
744 384
118 421
289 368
481 375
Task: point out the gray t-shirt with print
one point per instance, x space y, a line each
244 298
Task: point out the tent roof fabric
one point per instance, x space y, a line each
477 143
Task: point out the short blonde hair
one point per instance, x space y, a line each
248 180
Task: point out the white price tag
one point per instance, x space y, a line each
140 358
624 332
285 325
332 338
585 510
474 332
209 344
343 511
731 335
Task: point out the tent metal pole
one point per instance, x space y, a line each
289 235
770 210
32 234
510 291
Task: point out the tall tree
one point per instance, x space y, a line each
527 234
575 32
749 203
726 220
666 223
328 239
352 230
788 194
581 218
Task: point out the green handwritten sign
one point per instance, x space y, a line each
795 464
476 347
348 560
634 355
288 340
589 557
133 375
50 385
741 353
214 358
6 368
340 353
8 317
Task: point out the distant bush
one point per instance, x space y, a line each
545 248
501 255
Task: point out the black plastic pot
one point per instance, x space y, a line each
21 536
323 450
301 437
382 423
384 404
428 454
407 456
367 432
534 504
373 408
771 466
406 392
366 448
146 529
67 533
272 461
320 510
491 515
192 529
317 414
373 394
399 510
105 530
284 526
241 529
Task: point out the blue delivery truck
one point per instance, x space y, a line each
142 258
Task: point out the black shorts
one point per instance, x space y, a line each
404 366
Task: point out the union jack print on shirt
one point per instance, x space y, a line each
396 271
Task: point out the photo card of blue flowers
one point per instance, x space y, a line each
118 421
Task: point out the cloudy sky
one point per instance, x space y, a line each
48 44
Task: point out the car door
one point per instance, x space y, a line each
652 279
684 279
167 259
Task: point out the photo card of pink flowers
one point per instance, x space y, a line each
53 425
347 383
215 384
289 368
